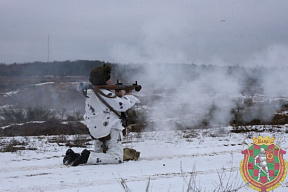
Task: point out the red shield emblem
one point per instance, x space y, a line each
263 167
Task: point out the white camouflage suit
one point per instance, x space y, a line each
101 121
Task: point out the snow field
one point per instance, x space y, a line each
167 159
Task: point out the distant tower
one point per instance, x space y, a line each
48 57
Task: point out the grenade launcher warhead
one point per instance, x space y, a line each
119 86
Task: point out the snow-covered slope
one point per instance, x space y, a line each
170 160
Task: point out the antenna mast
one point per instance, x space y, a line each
48 59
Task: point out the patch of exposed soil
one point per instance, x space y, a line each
45 128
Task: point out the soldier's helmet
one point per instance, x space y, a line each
100 74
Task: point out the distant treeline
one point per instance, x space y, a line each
83 68
56 68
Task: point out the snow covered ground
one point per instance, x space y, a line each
208 159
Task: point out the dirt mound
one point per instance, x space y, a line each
45 128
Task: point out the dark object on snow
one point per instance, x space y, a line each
70 157
83 158
130 154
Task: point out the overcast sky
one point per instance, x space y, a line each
230 32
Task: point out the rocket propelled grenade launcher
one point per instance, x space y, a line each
119 86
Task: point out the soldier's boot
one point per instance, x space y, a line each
70 157
130 154
83 158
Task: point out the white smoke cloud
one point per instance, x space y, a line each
188 98
191 96
272 56
275 60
